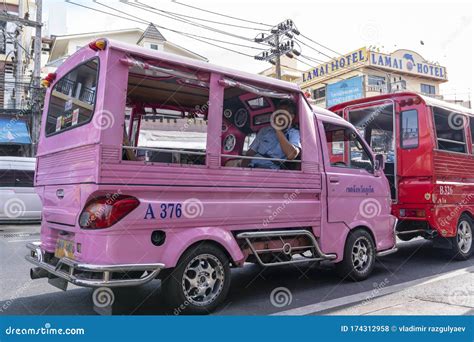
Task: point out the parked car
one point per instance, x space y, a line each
19 201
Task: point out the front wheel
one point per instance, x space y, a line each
200 281
359 256
462 246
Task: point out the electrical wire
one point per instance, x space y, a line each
159 26
312 59
268 25
299 60
312 48
179 32
196 18
189 22
221 14
323 46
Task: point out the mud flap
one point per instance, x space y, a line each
60 283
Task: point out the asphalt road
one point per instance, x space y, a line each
250 291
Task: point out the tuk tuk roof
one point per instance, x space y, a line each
429 101
201 65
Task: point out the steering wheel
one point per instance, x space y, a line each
339 163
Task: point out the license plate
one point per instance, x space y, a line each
64 248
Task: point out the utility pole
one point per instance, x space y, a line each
277 59
18 58
281 43
36 107
35 93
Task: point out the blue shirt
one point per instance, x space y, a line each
266 144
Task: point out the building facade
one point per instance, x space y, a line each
58 48
288 67
368 72
16 68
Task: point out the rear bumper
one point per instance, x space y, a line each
91 275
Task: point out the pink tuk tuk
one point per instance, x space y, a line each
152 165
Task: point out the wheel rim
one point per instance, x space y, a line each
361 254
203 279
464 236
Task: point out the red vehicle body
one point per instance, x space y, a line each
429 152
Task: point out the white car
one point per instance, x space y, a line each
18 199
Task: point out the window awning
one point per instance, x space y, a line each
14 131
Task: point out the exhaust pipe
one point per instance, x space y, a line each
38 273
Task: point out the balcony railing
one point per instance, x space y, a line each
67 87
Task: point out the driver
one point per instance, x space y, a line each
280 140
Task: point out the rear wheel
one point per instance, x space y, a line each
462 246
359 256
200 281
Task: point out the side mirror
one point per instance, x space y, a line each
379 163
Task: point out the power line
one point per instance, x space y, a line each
159 26
179 32
312 59
299 60
312 48
323 46
189 22
221 14
268 25
195 18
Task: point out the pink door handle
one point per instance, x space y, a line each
333 179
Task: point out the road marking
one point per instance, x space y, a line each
359 297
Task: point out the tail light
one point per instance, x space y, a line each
99 44
410 101
46 82
412 213
103 212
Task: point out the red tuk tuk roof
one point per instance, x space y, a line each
429 101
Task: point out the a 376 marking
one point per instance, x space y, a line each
167 211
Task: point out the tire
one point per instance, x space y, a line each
200 282
462 244
359 256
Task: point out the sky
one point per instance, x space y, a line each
444 27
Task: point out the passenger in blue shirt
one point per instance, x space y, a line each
279 141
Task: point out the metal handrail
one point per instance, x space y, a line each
204 153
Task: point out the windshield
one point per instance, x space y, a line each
376 125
